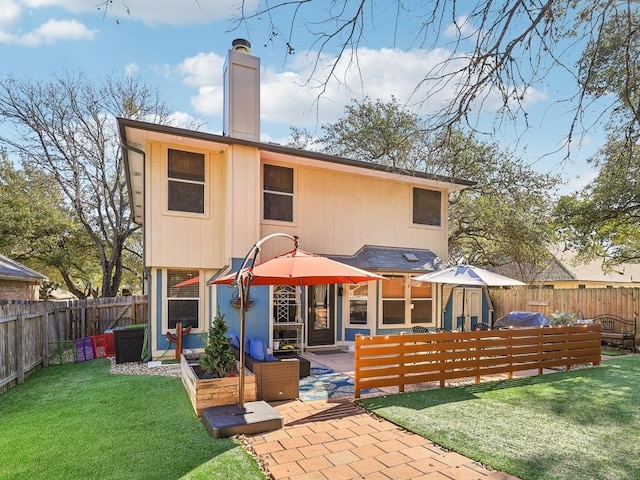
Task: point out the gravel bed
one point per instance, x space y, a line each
136 368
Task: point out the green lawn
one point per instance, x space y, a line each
563 426
78 421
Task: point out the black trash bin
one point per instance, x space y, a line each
129 343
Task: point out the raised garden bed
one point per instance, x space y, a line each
213 392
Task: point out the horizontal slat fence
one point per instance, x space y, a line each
37 333
405 359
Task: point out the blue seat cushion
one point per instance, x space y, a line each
258 350
234 340
247 344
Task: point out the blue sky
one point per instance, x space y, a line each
180 47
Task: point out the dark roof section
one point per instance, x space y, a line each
551 272
12 270
211 137
392 259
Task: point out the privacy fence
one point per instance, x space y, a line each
37 334
405 359
584 302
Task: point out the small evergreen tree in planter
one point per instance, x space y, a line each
218 358
207 390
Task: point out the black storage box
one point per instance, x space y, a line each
129 343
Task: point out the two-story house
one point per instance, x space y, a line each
203 200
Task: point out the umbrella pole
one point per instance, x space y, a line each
242 353
464 312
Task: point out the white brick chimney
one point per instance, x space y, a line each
242 92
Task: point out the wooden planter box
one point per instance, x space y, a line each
213 392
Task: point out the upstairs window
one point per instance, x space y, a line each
186 181
427 207
278 193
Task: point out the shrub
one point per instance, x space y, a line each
562 319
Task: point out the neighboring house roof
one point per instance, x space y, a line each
131 132
12 270
565 266
592 271
391 259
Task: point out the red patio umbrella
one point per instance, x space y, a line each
300 268
296 267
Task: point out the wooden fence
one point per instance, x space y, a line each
31 334
405 359
584 302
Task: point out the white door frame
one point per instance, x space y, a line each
472 307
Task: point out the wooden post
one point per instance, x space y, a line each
540 350
477 339
510 352
44 325
177 338
356 366
441 361
402 363
19 347
83 321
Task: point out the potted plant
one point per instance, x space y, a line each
207 382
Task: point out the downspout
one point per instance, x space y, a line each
146 277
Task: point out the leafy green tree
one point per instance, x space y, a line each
609 69
603 221
66 128
401 145
38 229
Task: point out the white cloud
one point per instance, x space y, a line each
54 30
131 69
298 96
10 11
201 70
170 12
462 28
209 100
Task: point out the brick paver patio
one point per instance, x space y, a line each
335 439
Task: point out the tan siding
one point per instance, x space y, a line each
334 213
183 240
339 213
